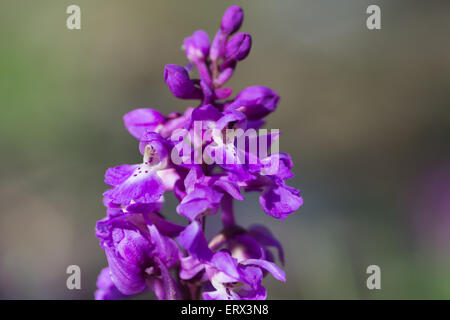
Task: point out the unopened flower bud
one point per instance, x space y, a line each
238 47
179 83
232 19
197 46
255 102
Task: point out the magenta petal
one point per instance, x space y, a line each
252 276
259 293
190 267
248 247
278 164
166 248
166 228
269 266
157 144
231 116
205 113
197 46
140 187
201 200
133 247
117 175
231 188
216 295
127 277
145 207
140 120
280 201
171 290
224 262
194 242
265 238
106 288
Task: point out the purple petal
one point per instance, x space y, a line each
176 121
141 120
194 242
197 46
166 228
127 277
132 246
117 175
230 187
112 209
278 165
206 112
169 177
259 293
202 200
252 276
280 201
157 147
141 187
265 237
106 288
194 176
190 267
232 116
245 247
165 248
224 262
276 272
145 208
216 295
171 289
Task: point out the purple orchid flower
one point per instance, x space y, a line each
204 194
107 290
139 256
230 278
208 157
145 182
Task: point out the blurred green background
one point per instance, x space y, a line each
364 114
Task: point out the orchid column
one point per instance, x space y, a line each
193 156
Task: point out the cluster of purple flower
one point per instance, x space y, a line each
147 252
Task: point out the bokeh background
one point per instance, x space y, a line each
364 114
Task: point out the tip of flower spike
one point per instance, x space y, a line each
232 19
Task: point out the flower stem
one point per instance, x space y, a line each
227 211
